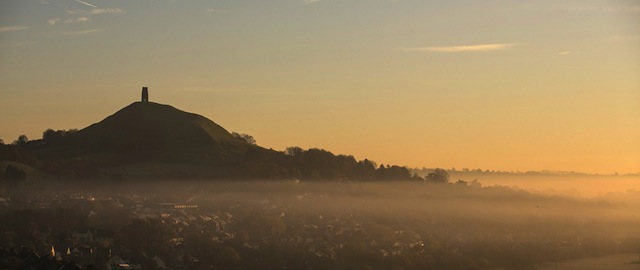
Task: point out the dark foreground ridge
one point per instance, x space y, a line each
147 140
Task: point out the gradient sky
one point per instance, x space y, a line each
502 85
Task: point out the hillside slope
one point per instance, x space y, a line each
150 132
146 140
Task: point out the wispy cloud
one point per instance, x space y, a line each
82 32
564 53
210 10
310 1
77 20
97 11
462 48
13 28
53 21
86 4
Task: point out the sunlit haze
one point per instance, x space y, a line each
501 85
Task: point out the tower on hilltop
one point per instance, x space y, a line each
145 94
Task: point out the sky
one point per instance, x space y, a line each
500 85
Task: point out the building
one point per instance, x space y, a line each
145 94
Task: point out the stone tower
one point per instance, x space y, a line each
145 94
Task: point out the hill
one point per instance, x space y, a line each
154 132
150 140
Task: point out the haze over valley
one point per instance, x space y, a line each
152 179
320 134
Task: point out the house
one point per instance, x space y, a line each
115 262
383 253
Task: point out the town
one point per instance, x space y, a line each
282 228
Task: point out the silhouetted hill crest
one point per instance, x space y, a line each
146 140
152 131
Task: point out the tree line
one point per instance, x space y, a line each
294 162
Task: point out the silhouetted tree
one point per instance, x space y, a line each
245 137
366 169
293 150
49 135
54 136
462 182
22 140
319 164
438 176
392 173
1 142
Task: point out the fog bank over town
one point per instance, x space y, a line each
340 225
